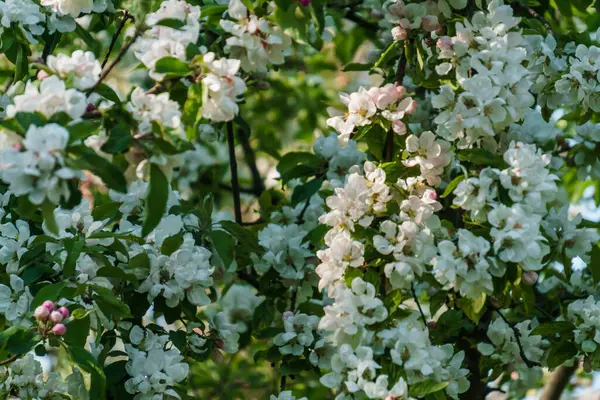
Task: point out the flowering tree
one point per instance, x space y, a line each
189 210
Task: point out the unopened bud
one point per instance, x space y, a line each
432 324
56 317
90 108
49 305
444 43
304 3
59 329
64 311
529 278
430 23
41 313
412 108
16 89
399 33
41 75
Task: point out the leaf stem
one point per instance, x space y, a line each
414 293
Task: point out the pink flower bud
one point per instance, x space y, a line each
412 108
399 127
399 33
529 278
56 317
430 194
64 311
90 108
288 314
41 313
41 75
304 3
49 305
444 43
404 23
432 324
59 329
430 23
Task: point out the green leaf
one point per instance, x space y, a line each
295 161
171 244
560 353
306 191
224 245
390 53
452 185
246 238
552 328
119 139
18 340
482 157
420 389
87 38
86 362
73 251
356 67
171 66
78 330
594 264
212 9
47 292
139 261
156 202
473 308
110 174
171 23
108 93
109 304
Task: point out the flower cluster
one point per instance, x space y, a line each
155 365
51 97
222 88
585 314
150 108
256 42
50 317
36 168
298 333
82 66
369 106
162 41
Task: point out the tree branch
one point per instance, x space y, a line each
528 362
9 359
535 15
414 293
234 173
110 67
558 381
115 37
258 185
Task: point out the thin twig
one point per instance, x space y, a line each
115 37
9 359
122 52
535 15
527 361
300 218
248 278
258 185
352 16
234 173
414 293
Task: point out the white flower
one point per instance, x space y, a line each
15 300
286 394
585 314
39 171
185 273
153 370
432 156
82 65
13 241
69 7
161 41
517 236
256 42
24 13
222 87
149 108
52 97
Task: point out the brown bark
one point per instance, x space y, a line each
558 381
